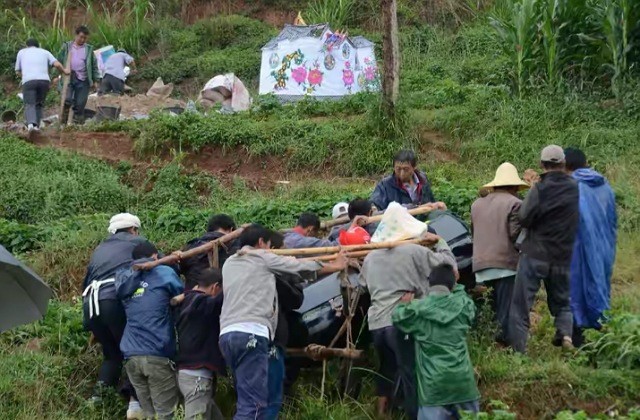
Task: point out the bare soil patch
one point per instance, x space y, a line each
256 171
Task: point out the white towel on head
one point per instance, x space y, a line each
123 221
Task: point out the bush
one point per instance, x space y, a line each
302 142
243 61
46 185
18 237
222 32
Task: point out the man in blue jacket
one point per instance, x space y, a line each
149 342
594 251
406 185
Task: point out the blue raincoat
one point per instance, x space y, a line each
595 249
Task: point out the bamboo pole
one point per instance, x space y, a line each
423 209
335 249
178 255
331 257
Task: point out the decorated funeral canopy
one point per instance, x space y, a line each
314 60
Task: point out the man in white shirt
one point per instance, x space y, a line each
32 66
113 80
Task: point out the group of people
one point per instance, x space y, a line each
563 233
77 60
160 323
180 326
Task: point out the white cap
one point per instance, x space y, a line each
123 221
339 210
553 154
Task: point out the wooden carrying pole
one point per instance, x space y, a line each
347 248
328 224
317 352
177 256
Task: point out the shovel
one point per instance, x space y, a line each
65 88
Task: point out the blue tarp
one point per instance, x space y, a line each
595 249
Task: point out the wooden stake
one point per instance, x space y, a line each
391 57
317 352
65 86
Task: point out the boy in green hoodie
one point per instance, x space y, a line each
439 323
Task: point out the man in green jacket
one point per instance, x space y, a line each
84 73
438 324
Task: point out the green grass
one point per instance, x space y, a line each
461 111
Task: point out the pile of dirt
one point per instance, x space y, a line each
137 106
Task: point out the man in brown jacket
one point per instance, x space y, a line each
495 225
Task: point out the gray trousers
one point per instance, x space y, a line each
556 283
198 395
501 295
111 84
34 94
154 379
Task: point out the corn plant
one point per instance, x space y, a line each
139 12
517 29
338 13
616 19
127 27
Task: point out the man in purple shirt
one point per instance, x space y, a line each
84 73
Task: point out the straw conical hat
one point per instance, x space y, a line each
507 176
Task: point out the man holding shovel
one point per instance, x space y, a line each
79 59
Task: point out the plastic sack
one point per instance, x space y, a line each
160 90
354 236
397 225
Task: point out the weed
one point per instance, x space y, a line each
618 345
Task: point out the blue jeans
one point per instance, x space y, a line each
247 356
276 381
447 412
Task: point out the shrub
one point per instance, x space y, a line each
46 185
225 31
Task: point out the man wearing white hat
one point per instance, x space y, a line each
496 227
549 217
340 210
103 313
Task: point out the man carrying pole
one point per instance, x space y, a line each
250 311
389 274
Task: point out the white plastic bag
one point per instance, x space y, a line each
397 225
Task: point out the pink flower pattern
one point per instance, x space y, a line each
299 74
370 73
315 77
347 76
